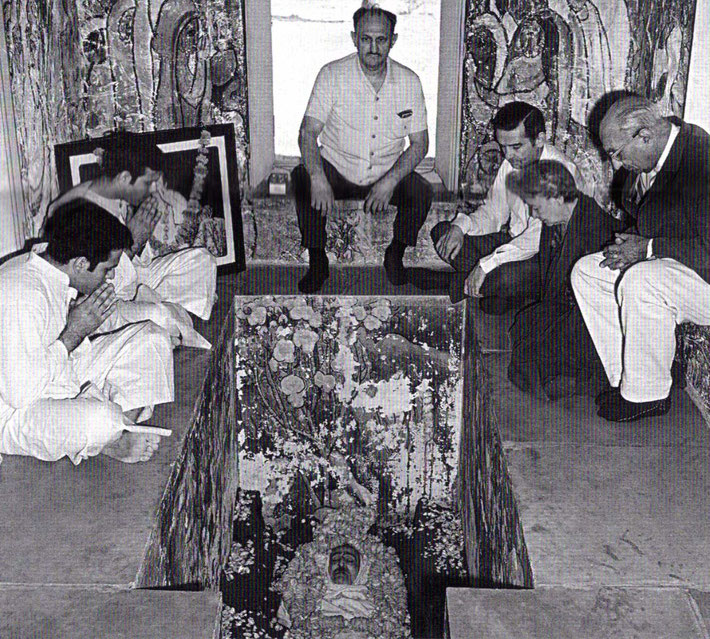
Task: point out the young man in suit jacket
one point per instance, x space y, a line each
634 293
551 345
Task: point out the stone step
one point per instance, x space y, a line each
78 613
578 613
629 516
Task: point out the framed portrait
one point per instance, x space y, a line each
199 199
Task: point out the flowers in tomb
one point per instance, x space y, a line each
323 378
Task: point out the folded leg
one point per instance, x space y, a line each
132 366
187 278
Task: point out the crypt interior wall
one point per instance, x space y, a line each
80 69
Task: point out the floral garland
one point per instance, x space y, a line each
200 173
303 583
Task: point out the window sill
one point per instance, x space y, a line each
286 164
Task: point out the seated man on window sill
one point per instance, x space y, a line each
361 111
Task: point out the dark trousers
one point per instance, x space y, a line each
412 197
512 280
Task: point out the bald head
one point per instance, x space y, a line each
633 133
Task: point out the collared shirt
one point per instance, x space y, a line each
34 363
646 180
365 130
502 207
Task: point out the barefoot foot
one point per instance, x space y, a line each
131 448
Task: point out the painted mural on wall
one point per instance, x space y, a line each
140 65
562 56
363 393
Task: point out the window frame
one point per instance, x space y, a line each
443 169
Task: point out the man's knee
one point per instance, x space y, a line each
513 279
300 180
418 190
205 261
583 268
640 279
154 338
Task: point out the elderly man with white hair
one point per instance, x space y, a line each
634 293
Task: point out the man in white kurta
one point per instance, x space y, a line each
490 247
61 393
132 173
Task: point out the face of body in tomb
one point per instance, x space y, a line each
518 148
373 40
344 565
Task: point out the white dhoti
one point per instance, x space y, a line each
130 368
187 278
632 319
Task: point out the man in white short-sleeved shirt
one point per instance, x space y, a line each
362 110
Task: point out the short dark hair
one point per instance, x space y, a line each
80 228
127 151
513 113
366 12
546 178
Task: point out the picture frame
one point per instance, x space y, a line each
220 201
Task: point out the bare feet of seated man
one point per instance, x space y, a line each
137 443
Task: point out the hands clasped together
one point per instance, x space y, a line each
87 315
142 223
627 250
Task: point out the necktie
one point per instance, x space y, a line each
643 183
558 235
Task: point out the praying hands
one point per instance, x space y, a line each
143 222
627 250
87 315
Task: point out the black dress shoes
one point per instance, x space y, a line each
618 409
314 279
605 395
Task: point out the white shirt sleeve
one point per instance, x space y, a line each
27 366
649 249
519 248
492 214
419 121
322 97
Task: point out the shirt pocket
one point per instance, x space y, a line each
400 124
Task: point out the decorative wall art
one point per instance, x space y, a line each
81 69
563 56
200 204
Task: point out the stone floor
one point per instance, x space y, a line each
615 517
72 538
